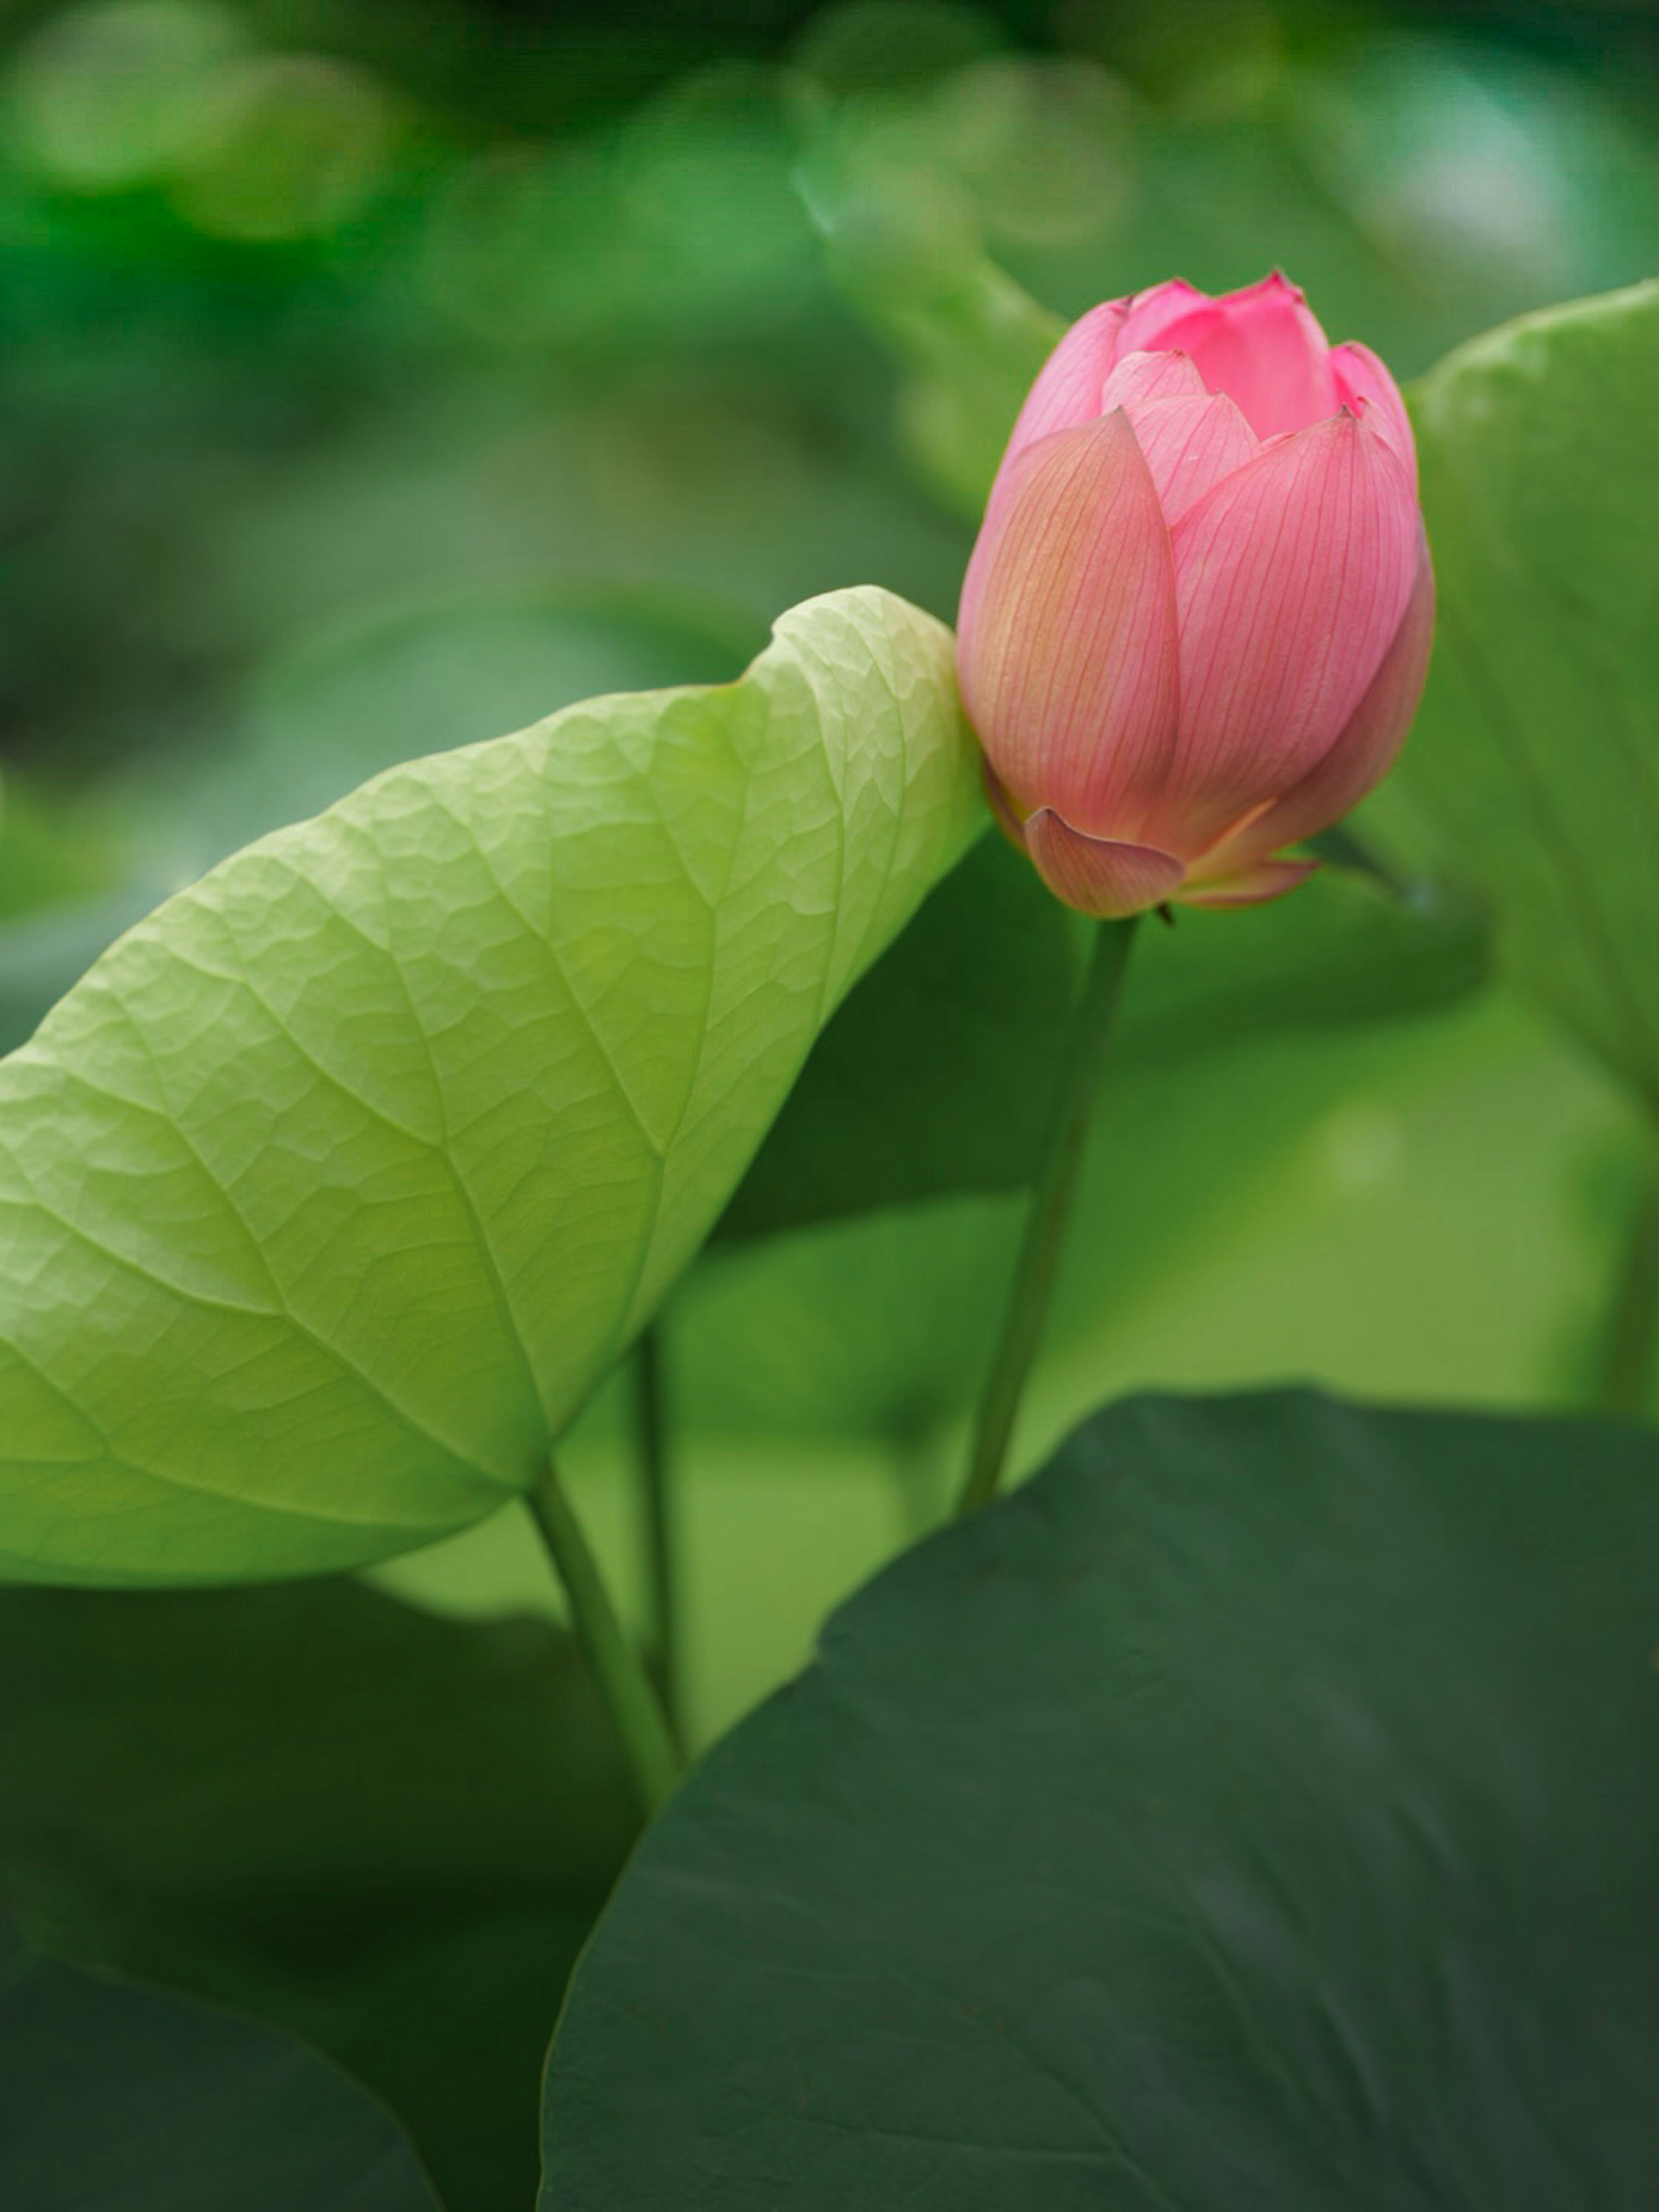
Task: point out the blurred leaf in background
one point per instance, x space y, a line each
381 1832
1536 761
120 2100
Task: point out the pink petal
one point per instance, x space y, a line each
1070 382
1291 579
1150 313
1099 875
1262 347
1364 385
1190 445
1252 886
1065 640
1362 756
1190 441
1140 378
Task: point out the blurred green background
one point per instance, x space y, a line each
379 375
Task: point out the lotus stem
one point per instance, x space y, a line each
1045 1222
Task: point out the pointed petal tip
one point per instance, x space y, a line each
1274 285
1363 380
1099 876
1142 376
1171 287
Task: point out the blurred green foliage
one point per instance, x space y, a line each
376 376
309 313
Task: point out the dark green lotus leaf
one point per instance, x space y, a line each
117 2099
1259 1811
382 1831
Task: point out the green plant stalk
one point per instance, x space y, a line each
657 1515
618 1670
1045 1222
1632 1329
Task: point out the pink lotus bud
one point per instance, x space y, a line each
1196 623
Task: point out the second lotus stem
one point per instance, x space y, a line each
659 1530
619 1673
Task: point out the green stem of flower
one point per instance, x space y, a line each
1045 1223
657 1529
618 1671
1632 1330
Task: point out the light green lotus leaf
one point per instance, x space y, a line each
330 1192
1536 759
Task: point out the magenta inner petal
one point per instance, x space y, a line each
1265 351
1150 314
